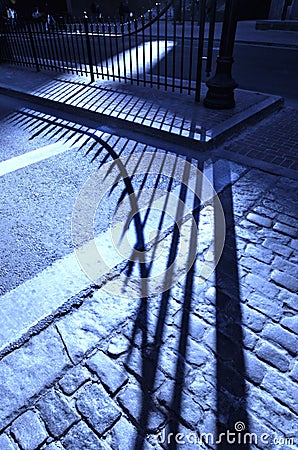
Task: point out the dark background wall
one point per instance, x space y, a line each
248 9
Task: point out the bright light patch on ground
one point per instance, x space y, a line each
138 60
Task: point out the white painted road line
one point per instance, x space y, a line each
38 155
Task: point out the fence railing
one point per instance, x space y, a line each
164 47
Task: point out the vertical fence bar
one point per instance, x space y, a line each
56 49
174 48
33 47
73 48
17 51
64 58
41 44
20 51
158 50
137 51
93 34
68 38
130 52
52 48
78 54
200 49
144 56
151 54
105 50
81 50
111 50
212 20
89 54
191 44
117 50
59 49
182 45
166 47
123 51
99 33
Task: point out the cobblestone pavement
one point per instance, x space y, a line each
213 353
210 356
273 140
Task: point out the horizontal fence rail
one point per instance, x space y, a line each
164 47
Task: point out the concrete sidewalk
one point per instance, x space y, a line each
157 116
247 32
212 346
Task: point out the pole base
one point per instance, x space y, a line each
220 94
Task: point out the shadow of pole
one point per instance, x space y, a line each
180 373
151 351
232 417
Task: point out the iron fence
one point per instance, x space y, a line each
164 47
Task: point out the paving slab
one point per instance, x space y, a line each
141 109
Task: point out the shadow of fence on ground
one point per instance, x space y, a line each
230 407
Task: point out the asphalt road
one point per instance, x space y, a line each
37 199
43 169
267 69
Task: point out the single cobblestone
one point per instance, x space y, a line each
252 319
294 244
291 323
203 392
278 248
285 280
255 369
56 413
256 267
196 354
287 220
285 229
259 220
271 355
133 362
285 266
249 339
261 254
281 388
28 430
289 299
123 436
260 285
6 443
97 408
266 305
261 210
294 373
54 446
80 437
25 372
74 379
279 238
118 345
282 337
107 371
197 327
135 403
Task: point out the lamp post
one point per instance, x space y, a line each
220 94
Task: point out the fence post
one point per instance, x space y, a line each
86 22
202 20
33 47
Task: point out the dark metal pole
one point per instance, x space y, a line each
86 26
221 87
33 47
